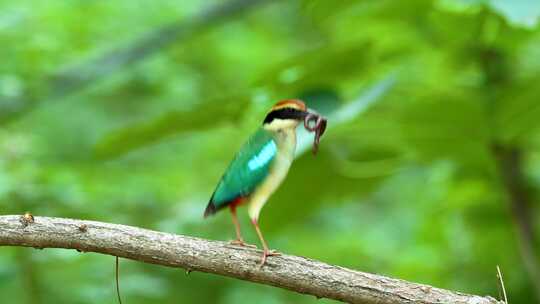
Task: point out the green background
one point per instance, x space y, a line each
418 183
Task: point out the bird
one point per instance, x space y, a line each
261 165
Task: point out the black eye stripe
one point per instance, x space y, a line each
285 113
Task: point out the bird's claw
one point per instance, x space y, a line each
273 253
266 254
241 243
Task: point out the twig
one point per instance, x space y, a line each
117 280
502 290
193 254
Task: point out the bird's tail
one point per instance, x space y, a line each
210 208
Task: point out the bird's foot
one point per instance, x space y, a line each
266 254
241 243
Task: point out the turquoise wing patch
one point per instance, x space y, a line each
248 169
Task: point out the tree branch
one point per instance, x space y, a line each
510 165
193 254
77 77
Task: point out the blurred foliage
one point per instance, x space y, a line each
410 186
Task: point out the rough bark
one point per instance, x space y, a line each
294 273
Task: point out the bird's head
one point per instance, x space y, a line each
286 114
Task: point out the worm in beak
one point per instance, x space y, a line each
314 122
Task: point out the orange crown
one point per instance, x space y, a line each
290 103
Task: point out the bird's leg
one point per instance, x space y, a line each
266 252
239 240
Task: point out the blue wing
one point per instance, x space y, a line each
248 169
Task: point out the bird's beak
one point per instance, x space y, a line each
309 115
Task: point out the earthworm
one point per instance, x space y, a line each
319 127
